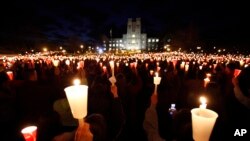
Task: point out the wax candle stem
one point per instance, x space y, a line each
81 122
155 91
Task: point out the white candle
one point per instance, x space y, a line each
111 63
186 67
157 81
182 65
203 121
77 96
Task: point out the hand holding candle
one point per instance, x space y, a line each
29 133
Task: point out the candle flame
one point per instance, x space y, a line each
77 82
203 100
208 75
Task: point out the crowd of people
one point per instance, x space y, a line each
32 93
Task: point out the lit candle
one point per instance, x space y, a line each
67 62
174 62
200 67
203 121
208 75
29 133
241 63
236 72
146 65
151 72
158 69
157 81
10 75
206 81
117 64
56 63
186 67
104 68
112 65
182 65
77 96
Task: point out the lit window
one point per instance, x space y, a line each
120 44
157 40
153 40
120 41
117 41
133 35
113 45
149 40
117 45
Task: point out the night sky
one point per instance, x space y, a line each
34 22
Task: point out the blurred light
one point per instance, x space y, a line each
100 51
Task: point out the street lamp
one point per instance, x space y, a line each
45 49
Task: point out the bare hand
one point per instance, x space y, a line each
83 133
114 91
154 99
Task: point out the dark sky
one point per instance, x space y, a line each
59 21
